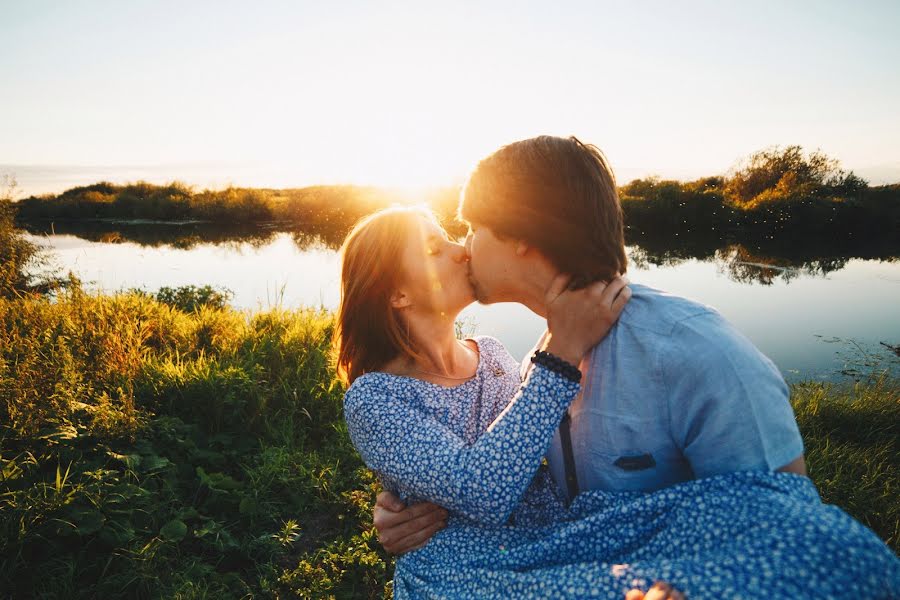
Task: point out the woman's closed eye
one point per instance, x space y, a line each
435 244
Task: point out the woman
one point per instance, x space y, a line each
448 421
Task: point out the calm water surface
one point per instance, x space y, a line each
812 325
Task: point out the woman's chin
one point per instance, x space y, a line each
469 299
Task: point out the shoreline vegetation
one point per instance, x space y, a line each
775 195
172 446
168 445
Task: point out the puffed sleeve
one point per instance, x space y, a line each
483 481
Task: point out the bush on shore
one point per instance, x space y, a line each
19 258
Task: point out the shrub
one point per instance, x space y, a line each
190 298
18 256
776 173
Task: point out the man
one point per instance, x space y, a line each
673 393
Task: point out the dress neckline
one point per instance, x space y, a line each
475 377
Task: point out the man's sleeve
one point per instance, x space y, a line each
729 406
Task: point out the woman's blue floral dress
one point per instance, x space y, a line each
477 450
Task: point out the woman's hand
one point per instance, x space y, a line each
578 319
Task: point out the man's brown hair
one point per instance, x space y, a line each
556 194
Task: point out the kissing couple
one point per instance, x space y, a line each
644 440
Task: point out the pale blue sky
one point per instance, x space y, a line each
413 93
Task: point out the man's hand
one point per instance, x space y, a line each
404 528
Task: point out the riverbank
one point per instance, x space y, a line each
163 446
701 209
778 202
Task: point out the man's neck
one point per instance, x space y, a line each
536 279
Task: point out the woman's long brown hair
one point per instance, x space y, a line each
369 332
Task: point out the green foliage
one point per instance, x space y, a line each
780 203
780 174
18 257
341 204
190 298
148 451
852 439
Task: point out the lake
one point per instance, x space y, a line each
815 319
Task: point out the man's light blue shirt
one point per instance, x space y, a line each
674 392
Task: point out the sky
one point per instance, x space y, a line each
414 93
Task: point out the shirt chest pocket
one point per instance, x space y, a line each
626 453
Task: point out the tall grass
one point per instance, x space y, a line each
852 438
147 450
170 446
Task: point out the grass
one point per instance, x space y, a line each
151 450
170 446
852 438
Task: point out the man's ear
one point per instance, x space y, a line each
399 299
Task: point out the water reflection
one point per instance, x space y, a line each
744 259
182 235
761 262
744 266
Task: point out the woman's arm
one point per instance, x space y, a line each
484 481
579 320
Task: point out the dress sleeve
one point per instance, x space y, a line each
483 481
